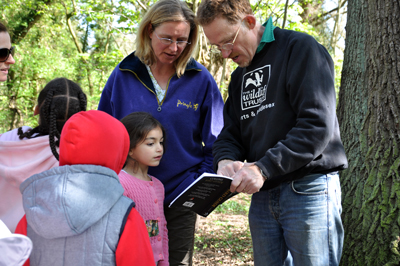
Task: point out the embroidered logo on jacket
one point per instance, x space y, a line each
187 105
254 87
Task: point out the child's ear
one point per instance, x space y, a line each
37 110
130 153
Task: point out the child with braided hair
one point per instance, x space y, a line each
25 151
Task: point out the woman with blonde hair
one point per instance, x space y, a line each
163 79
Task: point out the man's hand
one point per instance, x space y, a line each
229 167
248 179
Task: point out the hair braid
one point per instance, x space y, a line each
44 125
82 101
53 132
58 101
28 134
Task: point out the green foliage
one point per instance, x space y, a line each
239 204
48 51
84 40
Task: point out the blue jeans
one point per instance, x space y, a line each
298 223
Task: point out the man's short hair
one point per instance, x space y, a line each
231 10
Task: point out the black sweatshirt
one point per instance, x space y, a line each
281 111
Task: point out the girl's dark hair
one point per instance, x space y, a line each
3 28
59 100
138 125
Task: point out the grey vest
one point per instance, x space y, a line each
95 246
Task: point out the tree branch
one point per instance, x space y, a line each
141 4
71 30
34 15
285 14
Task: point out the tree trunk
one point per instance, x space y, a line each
369 115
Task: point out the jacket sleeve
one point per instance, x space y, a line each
134 245
22 229
229 145
213 121
105 103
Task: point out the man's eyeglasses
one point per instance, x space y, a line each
227 46
167 41
5 53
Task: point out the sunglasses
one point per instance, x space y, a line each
5 53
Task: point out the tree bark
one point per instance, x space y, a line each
369 115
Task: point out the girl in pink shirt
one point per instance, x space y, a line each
147 137
25 151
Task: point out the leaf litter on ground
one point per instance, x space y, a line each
223 237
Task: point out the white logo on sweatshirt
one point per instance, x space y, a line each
254 87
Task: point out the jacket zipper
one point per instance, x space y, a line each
158 102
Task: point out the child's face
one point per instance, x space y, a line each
150 151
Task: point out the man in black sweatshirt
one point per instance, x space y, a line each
280 140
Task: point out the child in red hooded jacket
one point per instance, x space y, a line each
76 214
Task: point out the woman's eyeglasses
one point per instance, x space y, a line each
167 41
5 53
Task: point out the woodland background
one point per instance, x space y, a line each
84 40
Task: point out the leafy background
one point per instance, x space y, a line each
84 40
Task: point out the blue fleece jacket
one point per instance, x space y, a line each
191 112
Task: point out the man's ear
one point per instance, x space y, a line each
250 21
37 110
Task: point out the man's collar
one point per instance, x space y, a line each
268 35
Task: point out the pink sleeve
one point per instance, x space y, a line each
165 244
134 245
165 261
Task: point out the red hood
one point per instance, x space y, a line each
94 137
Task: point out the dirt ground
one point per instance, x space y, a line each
223 239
